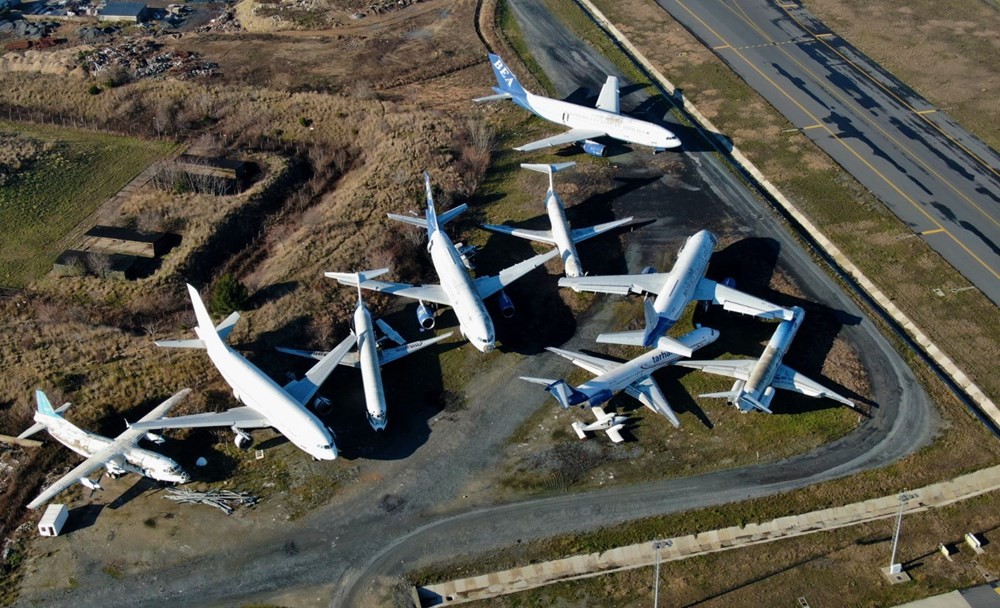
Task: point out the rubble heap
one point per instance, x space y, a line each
225 500
143 58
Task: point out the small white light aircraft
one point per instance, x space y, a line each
609 423
266 404
585 124
756 380
457 289
119 455
674 290
634 377
370 357
560 235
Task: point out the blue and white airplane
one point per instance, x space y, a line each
457 289
119 455
585 124
756 380
265 402
674 290
633 377
370 357
560 235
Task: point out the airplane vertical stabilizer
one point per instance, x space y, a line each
507 82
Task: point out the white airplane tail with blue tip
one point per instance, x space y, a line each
45 410
433 221
507 85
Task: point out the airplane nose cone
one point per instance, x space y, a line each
488 347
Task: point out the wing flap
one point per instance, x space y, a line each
569 137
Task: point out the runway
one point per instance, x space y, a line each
935 176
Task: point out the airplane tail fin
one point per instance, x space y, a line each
506 81
45 410
433 221
562 392
44 405
205 326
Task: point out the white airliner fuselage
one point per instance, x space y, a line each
473 320
371 372
617 126
257 390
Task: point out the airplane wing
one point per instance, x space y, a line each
650 395
242 417
791 380
736 301
425 293
621 284
541 236
487 286
615 433
734 368
594 365
303 389
609 99
83 469
391 354
569 137
582 234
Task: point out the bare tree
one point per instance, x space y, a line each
99 264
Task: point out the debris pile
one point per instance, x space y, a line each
226 22
221 499
144 58
27 29
91 33
381 7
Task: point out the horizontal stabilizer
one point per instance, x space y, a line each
542 381
489 98
353 278
192 343
626 338
226 327
720 395
389 332
304 389
550 169
38 426
609 99
668 344
27 443
389 355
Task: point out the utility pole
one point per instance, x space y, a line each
657 546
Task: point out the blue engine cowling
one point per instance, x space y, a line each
648 270
506 305
593 148
425 316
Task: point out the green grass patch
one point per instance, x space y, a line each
71 173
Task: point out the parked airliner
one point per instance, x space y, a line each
674 290
560 235
457 289
756 380
119 455
634 377
585 123
265 402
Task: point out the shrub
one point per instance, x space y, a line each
94 89
229 295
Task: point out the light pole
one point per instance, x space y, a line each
657 545
895 568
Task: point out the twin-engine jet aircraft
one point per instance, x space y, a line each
634 377
119 455
265 402
756 380
674 290
457 289
369 356
560 235
586 124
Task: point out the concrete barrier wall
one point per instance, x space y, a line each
646 554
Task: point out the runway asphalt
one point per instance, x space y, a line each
359 546
935 176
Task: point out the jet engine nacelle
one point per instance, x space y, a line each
425 317
90 483
506 305
243 440
322 405
768 395
648 270
157 439
593 148
601 396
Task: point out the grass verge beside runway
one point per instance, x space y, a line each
62 178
